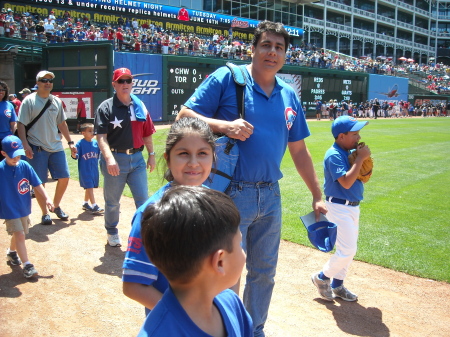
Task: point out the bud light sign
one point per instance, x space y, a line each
147 79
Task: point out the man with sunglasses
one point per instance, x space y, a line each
42 143
124 127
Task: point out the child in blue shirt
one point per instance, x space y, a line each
16 179
189 156
343 194
87 154
192 235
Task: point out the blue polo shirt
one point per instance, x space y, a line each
336 165
277 120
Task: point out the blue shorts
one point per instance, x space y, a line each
44 161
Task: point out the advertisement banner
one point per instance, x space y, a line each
388 88
110 10
70 101
147 79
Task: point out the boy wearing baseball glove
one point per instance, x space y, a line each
344 191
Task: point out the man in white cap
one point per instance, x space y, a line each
42 143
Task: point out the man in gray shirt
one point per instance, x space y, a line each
42 143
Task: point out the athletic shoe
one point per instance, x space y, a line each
60 213
345 294
13 259
46 220
323 286
97 210
87 207
114 240
29 270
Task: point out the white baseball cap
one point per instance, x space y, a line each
42 74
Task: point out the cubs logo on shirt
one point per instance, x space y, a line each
289 115
23 186
7 113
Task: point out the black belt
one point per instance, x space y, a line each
341 201
128 151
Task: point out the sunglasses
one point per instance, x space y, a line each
121 81
46 80
2 89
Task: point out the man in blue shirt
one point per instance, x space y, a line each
273 120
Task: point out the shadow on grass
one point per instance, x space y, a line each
354 319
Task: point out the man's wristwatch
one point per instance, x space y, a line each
70 143
151 153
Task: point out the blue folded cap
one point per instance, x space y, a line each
322 235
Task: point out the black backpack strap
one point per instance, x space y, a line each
30 125
241 82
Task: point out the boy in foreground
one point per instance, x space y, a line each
16 179
343 194
192 236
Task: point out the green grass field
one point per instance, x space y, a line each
405 216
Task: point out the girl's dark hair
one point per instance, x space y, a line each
273 28
5 86
184 127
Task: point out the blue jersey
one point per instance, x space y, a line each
168 318
7 116
336 165
137 267
16 182
277 120
88 155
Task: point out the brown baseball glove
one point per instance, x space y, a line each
366 169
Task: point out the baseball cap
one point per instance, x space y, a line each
42 73
13 147
346 124
25 91
118 73
34 88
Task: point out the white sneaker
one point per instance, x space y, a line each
114 240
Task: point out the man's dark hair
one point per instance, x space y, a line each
4 86
187 225
273 28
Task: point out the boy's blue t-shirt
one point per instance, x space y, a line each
168 318
88 154
277 120
336 165
16 182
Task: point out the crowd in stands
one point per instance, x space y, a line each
380 109
129 35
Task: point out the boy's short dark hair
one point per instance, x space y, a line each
273 28
85 126
185 226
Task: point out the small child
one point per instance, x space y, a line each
192 235
343 194
16 179
87 154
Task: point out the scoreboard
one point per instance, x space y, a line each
182 82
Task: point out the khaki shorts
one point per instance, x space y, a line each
17 225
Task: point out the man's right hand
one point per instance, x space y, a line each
113 167
239 129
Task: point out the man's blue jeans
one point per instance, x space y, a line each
133 173
259 205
